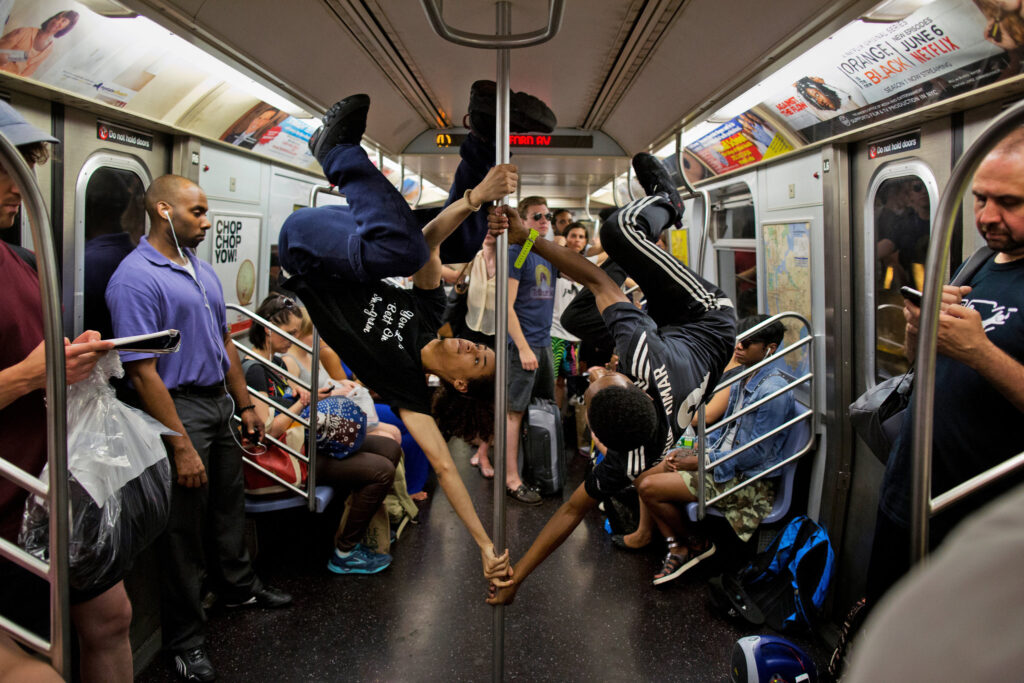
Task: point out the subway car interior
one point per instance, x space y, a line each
823 154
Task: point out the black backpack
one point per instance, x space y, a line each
784 586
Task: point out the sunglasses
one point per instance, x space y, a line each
538 216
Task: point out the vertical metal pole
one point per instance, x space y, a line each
314 407
56 402
702 473
504 25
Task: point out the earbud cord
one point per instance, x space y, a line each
223 356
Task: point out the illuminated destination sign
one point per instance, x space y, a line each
443 140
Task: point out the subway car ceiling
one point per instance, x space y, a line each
625 75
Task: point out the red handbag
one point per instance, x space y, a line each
281 463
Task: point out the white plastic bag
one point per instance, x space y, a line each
119 482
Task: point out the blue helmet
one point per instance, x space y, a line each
769 659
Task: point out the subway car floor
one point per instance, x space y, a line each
589 613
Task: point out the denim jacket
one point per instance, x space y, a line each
754 460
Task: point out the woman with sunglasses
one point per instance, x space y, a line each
368 473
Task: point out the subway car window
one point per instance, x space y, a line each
115 219
733 230
114 204
902 210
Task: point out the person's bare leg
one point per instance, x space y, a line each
644 529
102 624
662 493
513 424
17 666
388 430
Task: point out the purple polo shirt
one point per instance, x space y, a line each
149 293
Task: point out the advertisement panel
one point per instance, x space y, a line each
744 140
235 256
855 78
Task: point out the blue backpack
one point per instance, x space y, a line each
784 586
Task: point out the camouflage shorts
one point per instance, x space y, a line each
744 509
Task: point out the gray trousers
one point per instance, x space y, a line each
205 535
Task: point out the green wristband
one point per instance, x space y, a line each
527 246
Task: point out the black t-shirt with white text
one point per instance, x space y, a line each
975 426
378 330
678 366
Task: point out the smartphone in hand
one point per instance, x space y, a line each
911 295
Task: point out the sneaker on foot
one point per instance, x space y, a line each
655 179
524 495
194 665
526 113
359 560
344 123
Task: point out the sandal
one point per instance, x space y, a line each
675 565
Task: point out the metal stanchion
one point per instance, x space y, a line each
504 24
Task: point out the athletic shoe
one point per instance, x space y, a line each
675 566
526 113
265 597
524 495
359 560
654 178
344 124
194 665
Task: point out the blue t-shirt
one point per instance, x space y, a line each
148 293
975 426
535 300
103 255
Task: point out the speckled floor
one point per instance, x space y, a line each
588 614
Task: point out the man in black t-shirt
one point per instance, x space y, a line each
979 373
671 356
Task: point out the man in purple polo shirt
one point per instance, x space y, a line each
163 285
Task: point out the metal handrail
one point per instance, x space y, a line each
705 231
58 647
923 506
313 386
323 189
703 467
498 42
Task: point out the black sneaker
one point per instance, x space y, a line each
344 123
194 665
527 114
266 597
655 179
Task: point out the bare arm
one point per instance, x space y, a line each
606 292
499 182
554 533
30 374
157 401
515 330
251 423
424 430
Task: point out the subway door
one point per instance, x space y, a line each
896 182
108 164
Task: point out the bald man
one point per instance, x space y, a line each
162 285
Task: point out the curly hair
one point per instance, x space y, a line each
806 84
622 418
468 415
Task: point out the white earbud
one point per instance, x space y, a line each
166 212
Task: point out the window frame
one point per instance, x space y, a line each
890 171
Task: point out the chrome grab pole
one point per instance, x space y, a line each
314 405
502 155
56 401
502 41
927 350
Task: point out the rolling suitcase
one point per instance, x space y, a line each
541 448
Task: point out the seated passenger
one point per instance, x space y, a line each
339 257
299 362
368 473
673 481
672 355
